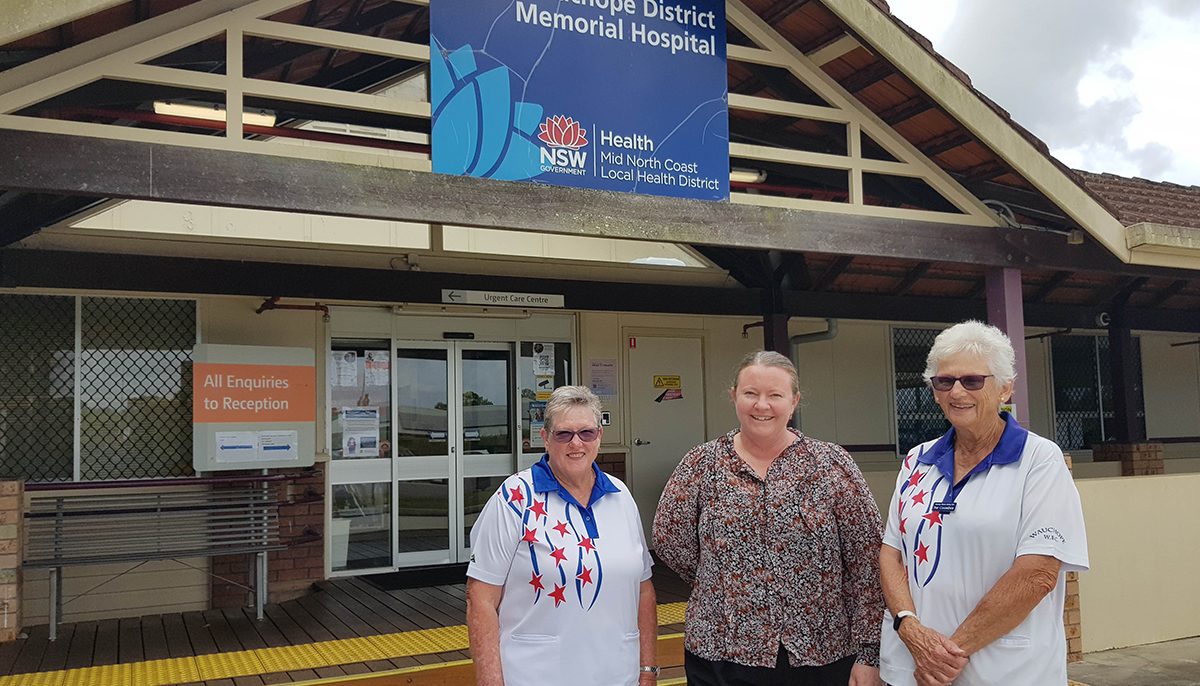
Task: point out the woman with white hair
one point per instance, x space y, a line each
982 528
558 588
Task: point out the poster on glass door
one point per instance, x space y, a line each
360 431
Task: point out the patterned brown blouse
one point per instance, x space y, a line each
792 559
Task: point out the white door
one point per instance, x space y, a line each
666 411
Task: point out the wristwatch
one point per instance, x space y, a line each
651 669
900 617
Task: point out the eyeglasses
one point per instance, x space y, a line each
585 435
971 382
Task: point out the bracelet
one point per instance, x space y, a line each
650 669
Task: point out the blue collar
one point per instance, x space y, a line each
1007 451
544 481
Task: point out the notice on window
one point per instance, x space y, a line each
360 431
604 377
543 386
543 359
237 446
279 446
537 420
376 365
344 366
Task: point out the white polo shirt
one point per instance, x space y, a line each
1020 500
571 576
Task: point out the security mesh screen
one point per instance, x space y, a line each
1083 399
37 349
135 388
918 418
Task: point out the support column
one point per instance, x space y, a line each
1006 311
1126 428
12 517
775 323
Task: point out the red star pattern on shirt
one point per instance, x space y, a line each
536 582
585 576
586 544
922 553
558 554
530 536
557 594
907 458
902 531
538 508
561 528
516 496
919 497
915 478
934 517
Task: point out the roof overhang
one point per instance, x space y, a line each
1162 244
881 32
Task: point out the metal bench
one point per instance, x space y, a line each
140 521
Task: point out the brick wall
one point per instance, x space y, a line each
290 572
1137 459
12 510
1071 621
612 463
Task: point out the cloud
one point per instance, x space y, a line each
1061 69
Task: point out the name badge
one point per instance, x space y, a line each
945 508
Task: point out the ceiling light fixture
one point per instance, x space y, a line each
212 112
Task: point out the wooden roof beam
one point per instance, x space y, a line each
945 142
1050 285
985 171
832 272
1167 293
905 110
868 76
911 278
829 52
782 9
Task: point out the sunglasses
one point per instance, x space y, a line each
585 435
971 382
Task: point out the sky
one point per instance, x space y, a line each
1109 85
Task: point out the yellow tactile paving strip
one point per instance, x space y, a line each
272 660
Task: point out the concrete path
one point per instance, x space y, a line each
1174 663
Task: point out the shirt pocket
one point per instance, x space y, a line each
531 659
619 667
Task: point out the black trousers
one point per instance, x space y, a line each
701 672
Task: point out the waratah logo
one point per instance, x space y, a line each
562 132
564 138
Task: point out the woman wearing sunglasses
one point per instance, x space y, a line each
779 537
983 526
558 587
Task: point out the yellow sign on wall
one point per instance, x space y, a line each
668 381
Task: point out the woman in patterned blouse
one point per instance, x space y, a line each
779 537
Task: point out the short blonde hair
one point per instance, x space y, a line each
767 358
566 397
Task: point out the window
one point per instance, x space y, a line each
918 418
125 363
1083 398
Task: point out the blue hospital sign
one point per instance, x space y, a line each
620 95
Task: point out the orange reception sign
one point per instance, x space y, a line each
253 393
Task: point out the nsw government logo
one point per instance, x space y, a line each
563 138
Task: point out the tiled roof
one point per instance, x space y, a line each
1140 200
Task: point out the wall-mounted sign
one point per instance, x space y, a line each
622 95
501 298
253 407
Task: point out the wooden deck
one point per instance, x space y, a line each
336 609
